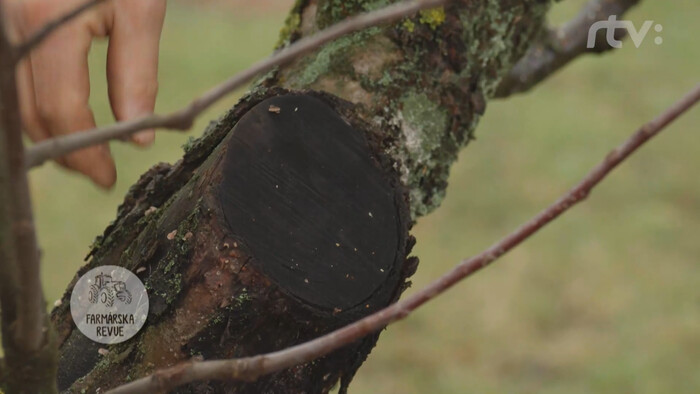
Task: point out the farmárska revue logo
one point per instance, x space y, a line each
109 304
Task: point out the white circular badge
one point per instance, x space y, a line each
109 304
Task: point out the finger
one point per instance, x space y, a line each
62 88
132 63
23 75
31 124
27 104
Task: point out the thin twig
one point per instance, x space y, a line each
8 258
557 47
183 118
32 42
29 329
251 368
31 354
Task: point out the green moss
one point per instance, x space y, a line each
409 25
333 11
165 282
218 318
242 298
291 24
374 4
433 17
429 94
493 43
189 144
175 284
425 122
169 265
333 57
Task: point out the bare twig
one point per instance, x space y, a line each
183 118
8 259
24 48
558 46
253 367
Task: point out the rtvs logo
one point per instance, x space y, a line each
612 23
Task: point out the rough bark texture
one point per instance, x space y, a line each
424 82
414 91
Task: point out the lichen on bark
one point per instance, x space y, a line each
424 80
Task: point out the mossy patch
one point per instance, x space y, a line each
291 24
332 58
164 284
429 95
409 25
424 122
433 17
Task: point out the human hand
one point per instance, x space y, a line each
53 81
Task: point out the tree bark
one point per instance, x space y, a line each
290 216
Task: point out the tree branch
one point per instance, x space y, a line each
30 320
8 259
29 352
183 118
24 48
558 46
251 368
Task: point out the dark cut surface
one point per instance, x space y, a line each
300 190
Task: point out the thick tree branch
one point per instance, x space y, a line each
183 118
251 368
558 46
37 38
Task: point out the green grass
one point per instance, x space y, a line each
605 300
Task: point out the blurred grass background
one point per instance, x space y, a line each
606 300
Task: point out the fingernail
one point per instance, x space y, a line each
144 138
